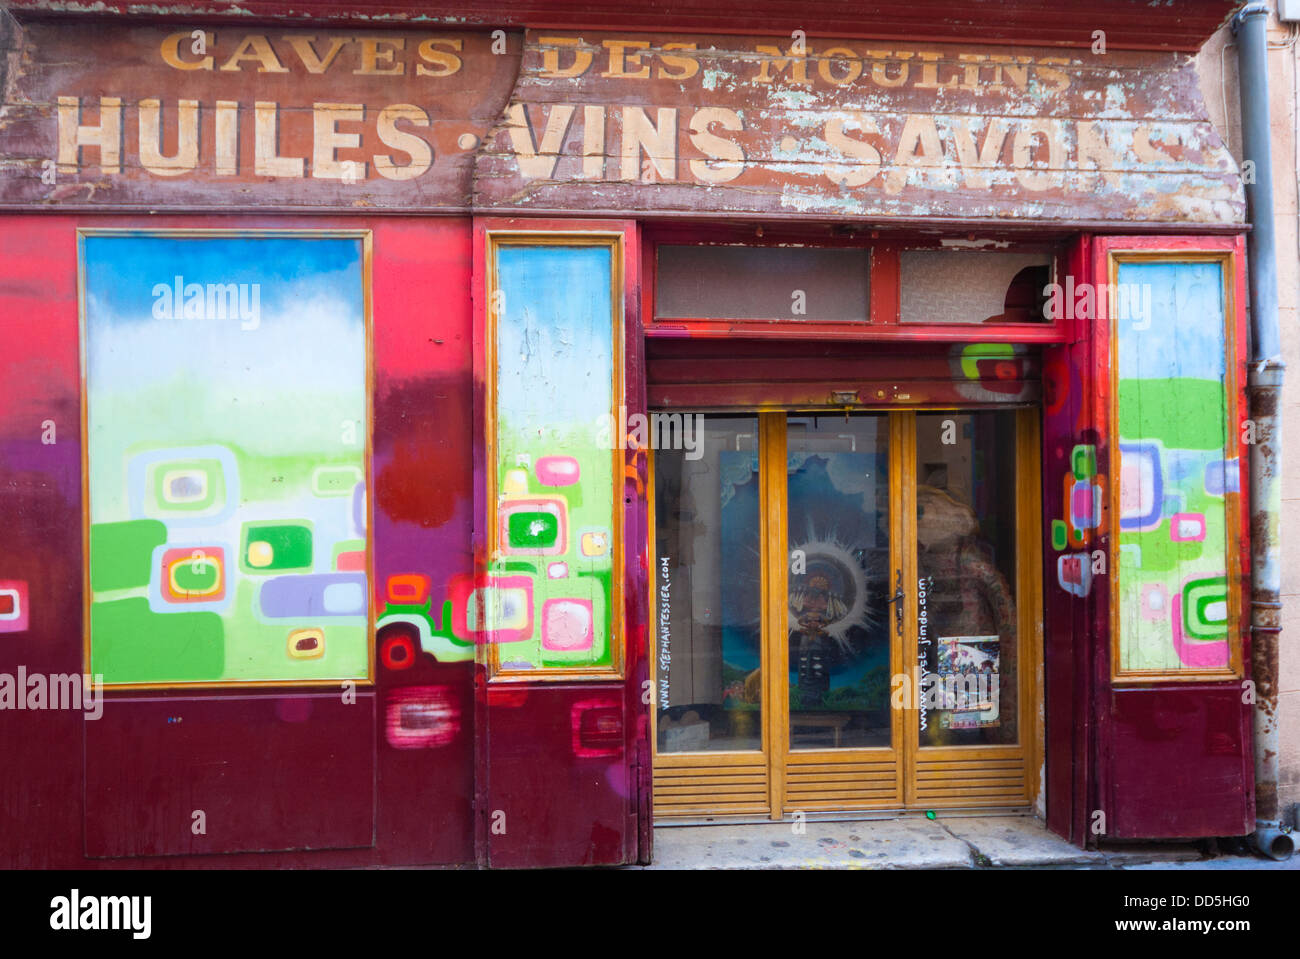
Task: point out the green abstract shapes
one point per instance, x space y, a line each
1160 554
1205 608
973 353
196 577
532 529
133 644
1083 461
275 547
1060 538
1182 413
121 554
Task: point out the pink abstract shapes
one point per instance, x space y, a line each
352 561
1187 527
557 470
597 726
420 717
567 624
1191 653
1155 602
557 570
14 608
500 611
1074 573
1085 505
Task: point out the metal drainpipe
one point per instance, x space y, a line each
1264 388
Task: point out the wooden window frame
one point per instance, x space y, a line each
1229 253
366 238
621 237
883 322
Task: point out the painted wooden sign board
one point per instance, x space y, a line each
149 116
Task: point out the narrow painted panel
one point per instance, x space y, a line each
549 599
227 418
1174 472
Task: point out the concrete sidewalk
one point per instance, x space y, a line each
914 842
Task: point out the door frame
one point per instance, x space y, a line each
754 783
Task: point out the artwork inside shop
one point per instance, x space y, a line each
1175 474
549 600
227 413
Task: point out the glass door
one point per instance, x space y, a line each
835 613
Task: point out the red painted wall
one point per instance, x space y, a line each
272 768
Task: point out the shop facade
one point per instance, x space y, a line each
478 445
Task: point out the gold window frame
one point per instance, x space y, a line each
367 307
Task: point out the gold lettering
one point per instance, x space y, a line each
171 52
551 57
446 63
1060 80
257 48
416 147
186 157
377 62
824 66
971 71
879 71
620 59
304 47
688 65
930 73
798 65
1015 69
107 137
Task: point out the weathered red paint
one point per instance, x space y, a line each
1129 24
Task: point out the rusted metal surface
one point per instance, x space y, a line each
1266 599
1127 23
677 124
856 129
118 115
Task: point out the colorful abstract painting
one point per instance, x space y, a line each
549 598
227 414
1176 470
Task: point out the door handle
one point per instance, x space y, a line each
897 598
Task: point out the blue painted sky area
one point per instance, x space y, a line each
283 386
1185 338
555 336
121 271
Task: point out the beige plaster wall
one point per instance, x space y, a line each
1217 65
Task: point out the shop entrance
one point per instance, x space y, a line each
846 612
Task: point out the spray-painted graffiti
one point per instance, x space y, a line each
1176 472
227 422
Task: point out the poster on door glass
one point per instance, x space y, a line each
967 681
